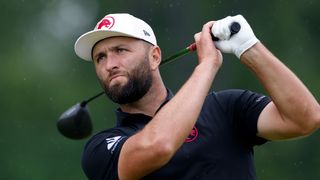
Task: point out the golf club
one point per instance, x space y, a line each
75 123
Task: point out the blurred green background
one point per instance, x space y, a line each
41 76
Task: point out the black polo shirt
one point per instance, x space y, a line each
220 146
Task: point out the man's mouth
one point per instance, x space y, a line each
116 79
115 76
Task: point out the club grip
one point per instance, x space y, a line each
234 28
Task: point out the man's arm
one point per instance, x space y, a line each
157 142
293 111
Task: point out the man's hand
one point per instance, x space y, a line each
239 42
206 50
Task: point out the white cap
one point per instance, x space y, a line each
111 25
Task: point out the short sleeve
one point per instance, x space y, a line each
244 108
101 154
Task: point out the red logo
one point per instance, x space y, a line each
193 135
107 22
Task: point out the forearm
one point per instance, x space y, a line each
293 100
173 122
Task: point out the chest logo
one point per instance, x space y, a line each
193 135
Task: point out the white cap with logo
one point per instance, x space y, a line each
111 25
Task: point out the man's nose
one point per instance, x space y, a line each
111 63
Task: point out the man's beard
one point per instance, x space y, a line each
139 83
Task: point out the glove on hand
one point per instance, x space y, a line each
238 43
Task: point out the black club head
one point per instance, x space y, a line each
75 123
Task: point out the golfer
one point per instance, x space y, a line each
194 133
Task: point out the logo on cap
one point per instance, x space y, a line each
106 22
146 33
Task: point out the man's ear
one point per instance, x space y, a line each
155 57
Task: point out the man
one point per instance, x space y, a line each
193 134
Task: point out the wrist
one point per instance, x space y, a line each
210 65
207 70
245 46
257 53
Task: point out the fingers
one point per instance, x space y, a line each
205 33
197 37
206 29
206 49
203 39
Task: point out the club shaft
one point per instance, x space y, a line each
180 53
84 103
234 28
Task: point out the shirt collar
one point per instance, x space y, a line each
124 118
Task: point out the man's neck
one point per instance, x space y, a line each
149 103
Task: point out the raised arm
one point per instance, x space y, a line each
157 142
293 111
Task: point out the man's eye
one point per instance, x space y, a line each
99 58
120 50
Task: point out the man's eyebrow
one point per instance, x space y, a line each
101 53
112 48
118 46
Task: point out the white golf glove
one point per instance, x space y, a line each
237 43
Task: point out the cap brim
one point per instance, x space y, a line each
85 43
